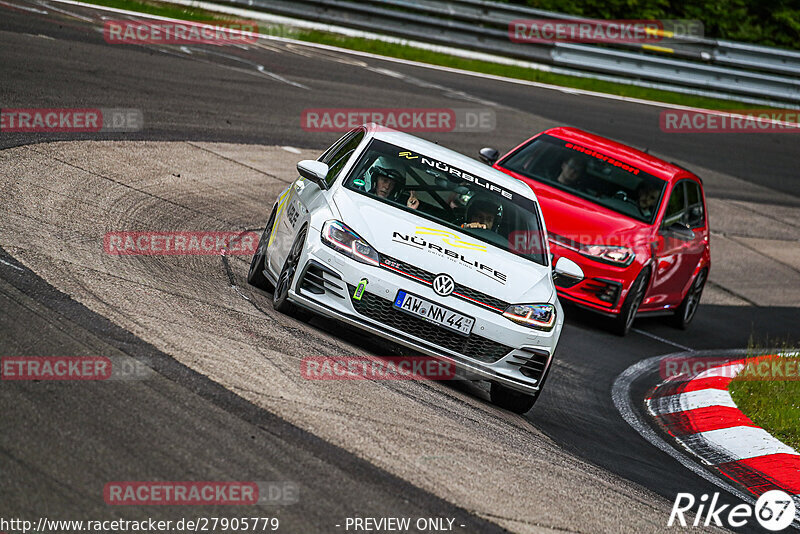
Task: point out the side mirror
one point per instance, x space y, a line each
696 216
680 230
316 171
489 155
568 271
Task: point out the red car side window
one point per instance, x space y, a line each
696 217
676 209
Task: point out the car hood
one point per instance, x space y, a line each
438 249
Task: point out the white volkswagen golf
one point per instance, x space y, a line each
425 247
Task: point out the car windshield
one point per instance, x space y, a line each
588 174
450 196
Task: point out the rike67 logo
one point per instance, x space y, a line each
774 510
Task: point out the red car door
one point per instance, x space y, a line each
680 243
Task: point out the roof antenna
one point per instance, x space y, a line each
646 150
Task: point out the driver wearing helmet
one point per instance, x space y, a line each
387 179
483 212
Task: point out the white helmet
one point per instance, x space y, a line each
390 168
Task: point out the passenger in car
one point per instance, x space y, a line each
483 212
413 201
646 198
571 174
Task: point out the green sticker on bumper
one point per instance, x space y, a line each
359 292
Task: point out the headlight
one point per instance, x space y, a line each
538 316
610 254
338 236
614 255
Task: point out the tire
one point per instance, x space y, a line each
280 297
688 308
623 322
512 400
255 276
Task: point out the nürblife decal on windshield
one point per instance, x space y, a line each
458 173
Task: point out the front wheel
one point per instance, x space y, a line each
688 308
280 297
511 400
623 322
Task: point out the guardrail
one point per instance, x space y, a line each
480 25
748 56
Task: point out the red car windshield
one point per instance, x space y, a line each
586 173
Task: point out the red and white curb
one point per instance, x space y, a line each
699 414
708 434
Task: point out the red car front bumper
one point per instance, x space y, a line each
604 286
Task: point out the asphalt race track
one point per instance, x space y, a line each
223 403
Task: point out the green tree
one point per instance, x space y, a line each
766 22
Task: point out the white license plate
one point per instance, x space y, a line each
433 313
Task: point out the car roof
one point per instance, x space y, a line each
647 162
451 157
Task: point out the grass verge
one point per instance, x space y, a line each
161 9
774 405
436 58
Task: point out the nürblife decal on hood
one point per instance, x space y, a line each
470 259
450 238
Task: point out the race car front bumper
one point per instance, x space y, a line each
497 349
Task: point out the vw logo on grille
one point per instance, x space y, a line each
443 285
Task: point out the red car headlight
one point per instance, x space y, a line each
612 254
622 256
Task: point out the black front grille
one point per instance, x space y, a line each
498 305
415 273
407 268
473 346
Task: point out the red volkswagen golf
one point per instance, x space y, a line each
632 228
